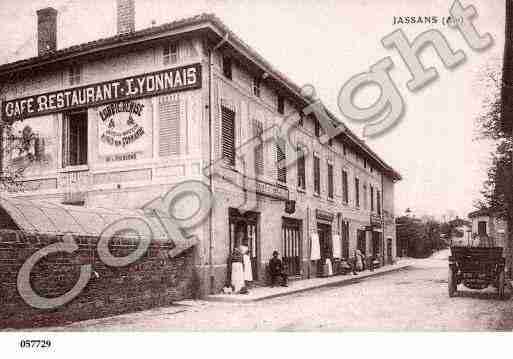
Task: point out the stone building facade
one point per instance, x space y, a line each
119 121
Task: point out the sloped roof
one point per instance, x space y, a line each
201 21
44 217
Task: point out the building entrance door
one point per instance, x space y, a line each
291 240
389 250
244 228
325 244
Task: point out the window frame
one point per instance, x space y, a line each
75 74
317 175
301 168
82 142
169 57
331 187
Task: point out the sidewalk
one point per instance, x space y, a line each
262 293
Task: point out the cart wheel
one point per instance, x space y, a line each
501 284
451 283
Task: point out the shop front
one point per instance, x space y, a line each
244 231
292 246
324 231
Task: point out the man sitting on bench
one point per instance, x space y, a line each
276 270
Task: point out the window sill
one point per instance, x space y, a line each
77 168
316 194
301 190
331 199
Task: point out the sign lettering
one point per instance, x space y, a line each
152 84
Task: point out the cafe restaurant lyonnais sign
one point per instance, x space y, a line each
144 85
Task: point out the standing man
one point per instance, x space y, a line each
276 270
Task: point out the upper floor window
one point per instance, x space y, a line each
75 74
317 174
345 189
378 202
256 87
281 105
344 149
372 198
281 158
357 192
364 196
170 53
317 129
227 67
169 128
364 163
74 139
330 180
301 175
258 130
228 135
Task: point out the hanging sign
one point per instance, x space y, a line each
133 87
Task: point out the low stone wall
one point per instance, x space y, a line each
151 281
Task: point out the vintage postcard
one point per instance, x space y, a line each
257 166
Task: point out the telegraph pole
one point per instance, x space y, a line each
507 122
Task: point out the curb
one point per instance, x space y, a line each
339 283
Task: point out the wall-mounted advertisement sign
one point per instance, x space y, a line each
167 81
121 128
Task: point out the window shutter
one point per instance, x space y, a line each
169 133
281 159
228 135
258 130
330 181
317 174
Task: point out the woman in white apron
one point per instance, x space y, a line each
237 277
248 272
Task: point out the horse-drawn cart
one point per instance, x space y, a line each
476 268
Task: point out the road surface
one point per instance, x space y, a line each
411 299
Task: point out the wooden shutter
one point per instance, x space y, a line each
228 135
345 194
317 179
281 159
330 181
301 168
169 133
258 130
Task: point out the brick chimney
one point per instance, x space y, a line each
46 30
126 16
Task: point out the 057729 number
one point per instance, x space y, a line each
35 343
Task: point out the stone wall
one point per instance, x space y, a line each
151 281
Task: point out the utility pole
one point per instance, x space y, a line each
507 122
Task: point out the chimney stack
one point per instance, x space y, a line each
46 30
126 16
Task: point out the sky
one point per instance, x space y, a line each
324 43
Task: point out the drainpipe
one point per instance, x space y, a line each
211 132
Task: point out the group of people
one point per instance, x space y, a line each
241 271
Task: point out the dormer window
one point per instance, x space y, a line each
75 74
281 105
227 67
256 87
170 54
